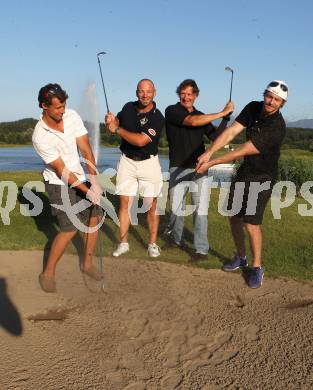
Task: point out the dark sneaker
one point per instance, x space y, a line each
196 257
254 277
235 263
170 244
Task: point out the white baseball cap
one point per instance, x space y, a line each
279 88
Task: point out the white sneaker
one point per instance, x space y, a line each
154 250
122 248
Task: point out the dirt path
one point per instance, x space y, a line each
156 326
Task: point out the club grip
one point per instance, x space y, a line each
227 117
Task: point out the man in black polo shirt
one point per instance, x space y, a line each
265 131
139 125
185 128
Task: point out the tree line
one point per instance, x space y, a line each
17 132
20 132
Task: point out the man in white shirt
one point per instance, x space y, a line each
58 135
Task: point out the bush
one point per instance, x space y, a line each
295 170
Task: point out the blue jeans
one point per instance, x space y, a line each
181 181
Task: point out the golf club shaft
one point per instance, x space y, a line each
231 85
105 95
231 88
101 254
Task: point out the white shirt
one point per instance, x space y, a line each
52 144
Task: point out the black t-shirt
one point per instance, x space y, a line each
185 142
149 123
267 134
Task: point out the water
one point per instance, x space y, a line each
20 159
26 159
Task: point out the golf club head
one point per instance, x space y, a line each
229 69
105 95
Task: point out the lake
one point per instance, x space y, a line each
26 159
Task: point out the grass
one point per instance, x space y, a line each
288 242
297 153
15 145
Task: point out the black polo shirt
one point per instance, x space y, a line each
149 123
185 142
267 134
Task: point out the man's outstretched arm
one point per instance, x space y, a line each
90 162
204 119
245 149
72 180
225 138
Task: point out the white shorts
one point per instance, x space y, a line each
145 176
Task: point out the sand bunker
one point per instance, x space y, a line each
155 326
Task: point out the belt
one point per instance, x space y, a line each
138 158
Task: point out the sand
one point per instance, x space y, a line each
155 326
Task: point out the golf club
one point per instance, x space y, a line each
105 95
99 250
99 242
231 81
231 88
101 260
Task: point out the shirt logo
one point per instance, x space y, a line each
143 121
152 132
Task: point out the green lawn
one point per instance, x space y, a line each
297 153
288 242
14 145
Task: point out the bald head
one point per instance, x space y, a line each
145 81
145 93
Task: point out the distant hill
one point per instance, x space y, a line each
303 123
18 126
17 132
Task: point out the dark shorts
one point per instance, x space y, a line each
250 207
74 196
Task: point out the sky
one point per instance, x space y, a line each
164 40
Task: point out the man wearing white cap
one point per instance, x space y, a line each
265 131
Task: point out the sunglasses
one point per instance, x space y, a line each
53 91
283 87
